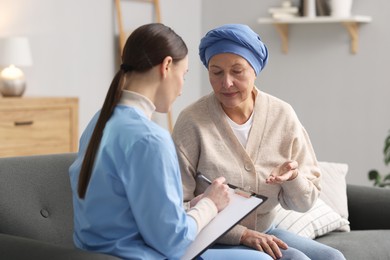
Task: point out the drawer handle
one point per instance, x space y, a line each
21 123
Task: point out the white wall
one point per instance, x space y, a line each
342 99
74 45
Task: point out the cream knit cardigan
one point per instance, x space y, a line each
206 143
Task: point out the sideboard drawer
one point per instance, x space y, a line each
40 129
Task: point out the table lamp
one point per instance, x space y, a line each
14 51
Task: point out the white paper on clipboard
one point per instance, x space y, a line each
239 207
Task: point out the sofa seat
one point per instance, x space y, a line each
36 214
16 247
360 244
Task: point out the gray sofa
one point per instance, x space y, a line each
36 218
36 212
369 217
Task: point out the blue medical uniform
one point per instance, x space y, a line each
132 208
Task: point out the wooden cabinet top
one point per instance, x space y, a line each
28 102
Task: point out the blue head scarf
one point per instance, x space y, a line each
237 39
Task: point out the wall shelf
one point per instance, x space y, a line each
351 24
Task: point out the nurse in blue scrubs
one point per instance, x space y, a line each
127 191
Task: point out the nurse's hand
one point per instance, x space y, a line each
218 193
284 172
265 243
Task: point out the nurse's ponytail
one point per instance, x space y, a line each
146 47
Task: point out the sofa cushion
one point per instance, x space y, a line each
357 244
369 207
39 199
14 247
330 211
334 188
318 221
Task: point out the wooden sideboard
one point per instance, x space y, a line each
38 125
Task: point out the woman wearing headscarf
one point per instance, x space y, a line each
254 140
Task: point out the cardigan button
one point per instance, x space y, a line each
248 167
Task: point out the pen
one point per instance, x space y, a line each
204 178
236 189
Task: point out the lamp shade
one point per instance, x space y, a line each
15 51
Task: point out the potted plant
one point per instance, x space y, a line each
374 175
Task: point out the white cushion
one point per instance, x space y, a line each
329 213
318 221
334 188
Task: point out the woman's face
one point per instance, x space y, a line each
232 79
173 85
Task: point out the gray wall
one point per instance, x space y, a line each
342 99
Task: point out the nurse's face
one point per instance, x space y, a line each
173 85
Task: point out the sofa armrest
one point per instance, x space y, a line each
369 207
14 247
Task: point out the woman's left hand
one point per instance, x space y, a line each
268 244
284 172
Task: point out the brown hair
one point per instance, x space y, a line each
145 48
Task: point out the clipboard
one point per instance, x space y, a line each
239 207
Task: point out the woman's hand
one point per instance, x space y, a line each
284 172
218 193
265 243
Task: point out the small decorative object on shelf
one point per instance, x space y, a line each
284 11
309 8
14 51
314 8
341 8
322 7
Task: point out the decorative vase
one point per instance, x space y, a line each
308 8
12 82
341 8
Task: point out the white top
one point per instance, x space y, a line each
241 131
